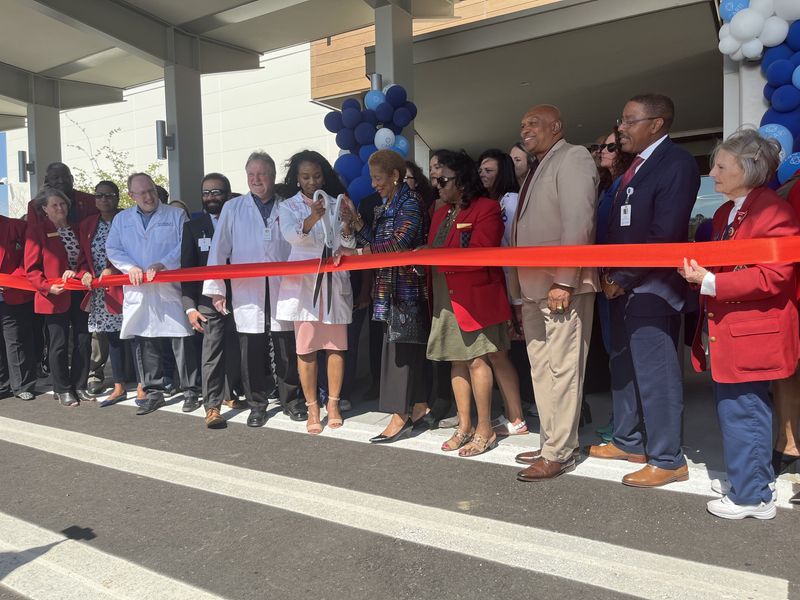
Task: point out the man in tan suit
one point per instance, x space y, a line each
555 305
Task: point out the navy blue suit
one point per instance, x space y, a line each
646 380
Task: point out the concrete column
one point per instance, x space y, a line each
394 58
743 95
185 123
44 141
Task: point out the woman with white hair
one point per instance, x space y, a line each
749 333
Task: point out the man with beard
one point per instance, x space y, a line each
81 204
221 364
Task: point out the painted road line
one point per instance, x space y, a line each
39 564
586 561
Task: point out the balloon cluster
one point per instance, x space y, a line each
360 132
753 25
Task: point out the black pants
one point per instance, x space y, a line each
150 363
69 375
116 355
222 366
18 370
258 378
402 376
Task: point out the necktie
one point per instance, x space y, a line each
628 175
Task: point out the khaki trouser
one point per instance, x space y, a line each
558 345
786 399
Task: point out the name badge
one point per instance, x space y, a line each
204 243
625 215
267 235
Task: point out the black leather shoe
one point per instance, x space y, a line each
151 404
426 421
191 403
66 399
296 413
84 396
404 432
257 418
96 387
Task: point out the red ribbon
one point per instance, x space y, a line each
707 254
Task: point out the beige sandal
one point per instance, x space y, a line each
478 445
313 427
458 439
334 422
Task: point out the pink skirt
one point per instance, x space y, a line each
311 336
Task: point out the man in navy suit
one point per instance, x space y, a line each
653 205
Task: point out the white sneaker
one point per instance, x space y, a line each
726 509
723 486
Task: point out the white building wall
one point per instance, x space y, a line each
266 109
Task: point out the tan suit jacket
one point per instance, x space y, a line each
558 208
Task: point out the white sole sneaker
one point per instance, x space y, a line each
726 509
723 486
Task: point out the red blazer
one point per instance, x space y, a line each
478 293
86 232
752 321
12 245
85 205
46 258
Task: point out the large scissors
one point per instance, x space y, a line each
332 234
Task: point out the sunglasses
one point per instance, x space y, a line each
213 192
443 181
100 196
612 147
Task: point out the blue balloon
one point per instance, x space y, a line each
365 170
395 128
728 8
360 188
793 37
346 139
364 133
789 167
396 96
768 91
787 97
412 108
384 111
790 120
366 151
373 99
348 166
402 144
795 59
772 54
351 103
333 121
402 117
780 73
369 116
779 133
351 117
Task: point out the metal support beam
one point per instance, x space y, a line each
44 141
147 36
9 122
185 123
743 95
420 9
238 14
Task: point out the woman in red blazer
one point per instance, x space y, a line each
51 253
470 304
104 304
16 315
751 322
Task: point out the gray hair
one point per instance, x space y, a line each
263 157
758 156
46 192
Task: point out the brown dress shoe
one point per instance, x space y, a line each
235 404
543 469
214 419
611 452
652 476
528 458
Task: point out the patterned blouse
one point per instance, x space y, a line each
400 225
100 319
70 241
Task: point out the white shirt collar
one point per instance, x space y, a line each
737 206
645 154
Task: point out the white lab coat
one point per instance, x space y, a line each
296 297
151 309
240 236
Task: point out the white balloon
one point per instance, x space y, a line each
788 10
747 24
738 56
765 7
343 152
725 31
774 32
384 138
729 45
752 49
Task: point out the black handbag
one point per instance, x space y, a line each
409 322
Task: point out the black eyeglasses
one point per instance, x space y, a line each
612 147
213 192
100 196
443 181
623 122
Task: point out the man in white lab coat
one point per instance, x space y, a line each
249 232
143 240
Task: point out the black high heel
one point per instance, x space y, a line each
404 432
